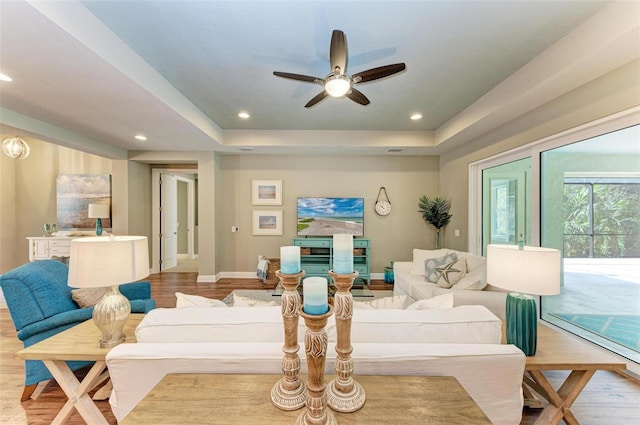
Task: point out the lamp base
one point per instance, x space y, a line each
109 315
522 322
98 226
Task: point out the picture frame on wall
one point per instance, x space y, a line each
266 192
267 222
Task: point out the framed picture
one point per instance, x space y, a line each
74 194
266 192
267 222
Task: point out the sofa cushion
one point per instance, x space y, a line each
397 302
186 300
451 273
475 280
419 257
431 265
440 301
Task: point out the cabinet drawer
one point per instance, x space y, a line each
315 268
359 243
361 268
53 244
326 243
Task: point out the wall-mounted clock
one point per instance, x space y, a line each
383 206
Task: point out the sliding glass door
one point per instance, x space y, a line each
590 210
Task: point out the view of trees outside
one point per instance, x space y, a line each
602 219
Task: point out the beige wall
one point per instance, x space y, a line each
615 92
392 237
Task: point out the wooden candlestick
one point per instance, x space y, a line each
344 394
315 347
289 393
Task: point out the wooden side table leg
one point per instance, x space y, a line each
559 407
77 392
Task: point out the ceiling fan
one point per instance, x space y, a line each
338 83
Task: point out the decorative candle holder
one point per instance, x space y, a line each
315 343
289 393
344 394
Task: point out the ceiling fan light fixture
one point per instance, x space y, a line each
16 148
337 85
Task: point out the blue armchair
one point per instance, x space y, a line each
41 305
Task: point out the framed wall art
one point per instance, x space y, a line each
267 222
74 194
266 192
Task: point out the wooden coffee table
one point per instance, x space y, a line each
77 343
557 350
245 399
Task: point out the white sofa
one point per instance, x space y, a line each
472 289
463 342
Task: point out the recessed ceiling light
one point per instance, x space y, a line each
4 77
246 149
141 137
395 150
416 116
244 115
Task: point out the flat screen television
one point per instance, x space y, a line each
330 216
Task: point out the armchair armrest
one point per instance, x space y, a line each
136 290
71 317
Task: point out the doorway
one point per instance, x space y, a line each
174 221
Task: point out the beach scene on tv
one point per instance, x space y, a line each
330 216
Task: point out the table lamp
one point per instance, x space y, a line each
523 270
109 261
98 211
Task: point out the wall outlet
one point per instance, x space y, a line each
235 229
456 232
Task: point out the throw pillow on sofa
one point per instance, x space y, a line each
421 255
185 300
451 273
475 280
87 297
431 265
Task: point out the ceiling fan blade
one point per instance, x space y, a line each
316 99
358 97
338 52
298 77
375 73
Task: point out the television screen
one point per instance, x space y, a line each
330 216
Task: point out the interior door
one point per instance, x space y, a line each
168 221
503 208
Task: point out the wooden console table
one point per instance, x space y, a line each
77 343
244 399
559 351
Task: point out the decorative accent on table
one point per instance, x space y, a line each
289 259
315 341
383 206
435 211
528 269
50 229
388 274
344 394
343 253
266 192
267 222
289 393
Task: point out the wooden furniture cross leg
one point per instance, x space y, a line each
559 401
78 392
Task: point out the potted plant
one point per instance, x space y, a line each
435 211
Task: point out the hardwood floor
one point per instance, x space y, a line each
609 399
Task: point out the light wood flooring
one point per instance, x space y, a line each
609 399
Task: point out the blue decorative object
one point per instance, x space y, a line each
522 326
98 226
41 305
388 274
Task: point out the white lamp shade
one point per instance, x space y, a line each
107 261
531 270
98 211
